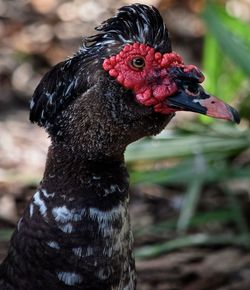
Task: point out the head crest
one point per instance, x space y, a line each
134 23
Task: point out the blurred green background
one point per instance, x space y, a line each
190 185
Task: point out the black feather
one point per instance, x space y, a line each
133 23
62 84
69 79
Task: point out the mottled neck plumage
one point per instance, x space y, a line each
69 173
77 227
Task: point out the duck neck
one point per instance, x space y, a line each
80 217
98 182
90 209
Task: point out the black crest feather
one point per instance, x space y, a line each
68 79
133 23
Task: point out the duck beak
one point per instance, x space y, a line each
192 97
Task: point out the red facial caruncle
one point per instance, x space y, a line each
147 73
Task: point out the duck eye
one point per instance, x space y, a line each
138 62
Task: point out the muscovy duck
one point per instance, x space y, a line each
123 84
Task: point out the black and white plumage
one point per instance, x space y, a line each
75 232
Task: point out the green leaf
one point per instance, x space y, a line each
184 146
200 219
189 241
234 42
5 234
212 62
236 25
190 202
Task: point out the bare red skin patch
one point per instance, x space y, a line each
152 83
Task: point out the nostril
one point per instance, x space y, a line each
192 89
213 102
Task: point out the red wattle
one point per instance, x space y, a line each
152 83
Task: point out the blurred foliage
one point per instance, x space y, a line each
226 55
204 153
